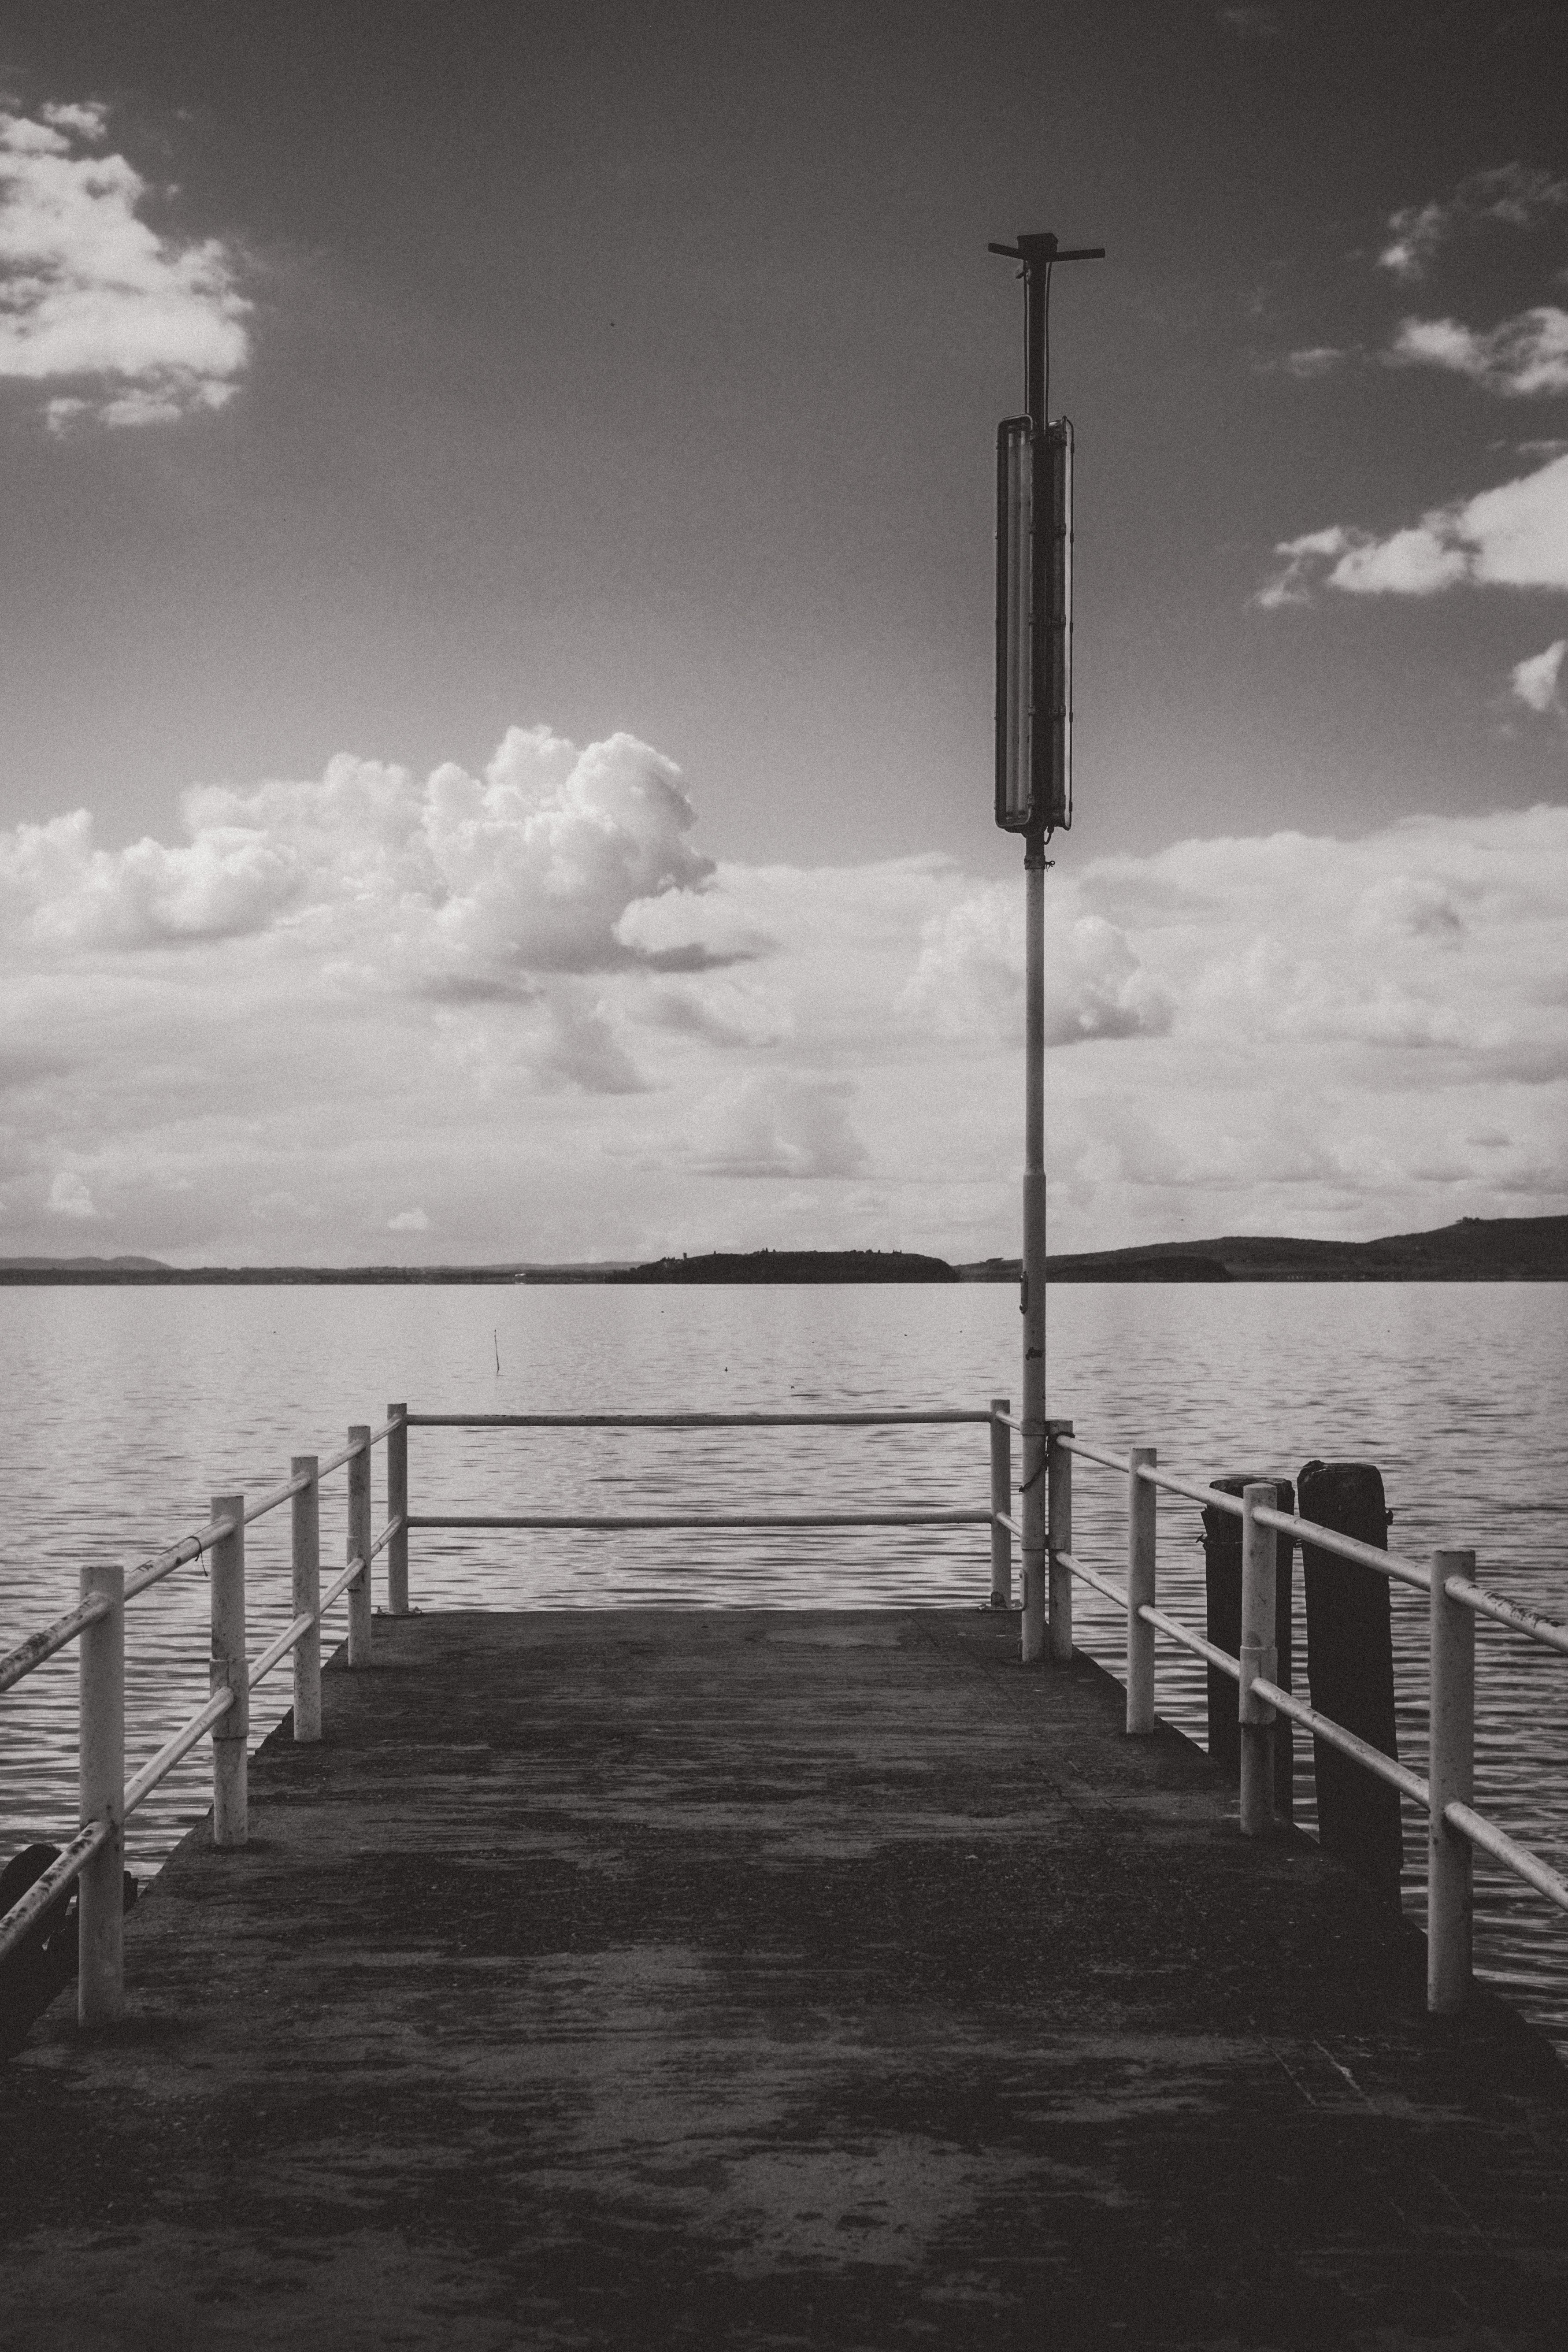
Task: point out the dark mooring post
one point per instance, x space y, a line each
1222 1576
1350 1665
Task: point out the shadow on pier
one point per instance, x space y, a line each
656 1976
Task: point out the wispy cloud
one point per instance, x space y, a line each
1512 195
1537 681
135 328
1524 358
1317 358
1515 536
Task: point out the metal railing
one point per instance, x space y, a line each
1455 1828
94 1857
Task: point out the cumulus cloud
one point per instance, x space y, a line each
1537 681
969 978
551 861
1511 194
226 881
1515 536
376 992
1524 358
146 329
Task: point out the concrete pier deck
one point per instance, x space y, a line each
656 1978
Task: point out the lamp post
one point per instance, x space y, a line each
1034 796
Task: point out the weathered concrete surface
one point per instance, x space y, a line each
650 1978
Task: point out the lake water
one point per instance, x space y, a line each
129 1409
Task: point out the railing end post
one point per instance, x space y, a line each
1451 1780
1142 1503
230 1671
100 1904
1259 1657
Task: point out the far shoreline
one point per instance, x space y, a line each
1476 1249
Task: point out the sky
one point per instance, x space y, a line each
495 646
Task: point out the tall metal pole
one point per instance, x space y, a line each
1032 794
1034 1286
1038 255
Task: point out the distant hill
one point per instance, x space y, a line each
1478 1249
792 1265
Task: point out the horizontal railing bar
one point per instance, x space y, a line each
1308 1531
1221 1659
1508 1612
39 1646
541 1520
1303 1531
1502 1848
1323 1726
24 1916
1211 1497
1081 1445
152 1572
1001 1519
694 1419
388 1531
1116 1592
159 1766
270 1502
340 1585
281 1646
1007 1421
335 1460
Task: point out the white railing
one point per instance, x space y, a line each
1454 1826
95 1856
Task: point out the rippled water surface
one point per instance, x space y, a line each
128 1410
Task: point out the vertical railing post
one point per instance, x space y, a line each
100 1907
397 1510
307 1551
1058 1539
1001 1505
1142 1501
1452 1781
358 1546
229 1671
1259 1656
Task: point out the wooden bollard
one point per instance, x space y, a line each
100 1904
230 1671
359 1540
1257 1657
1451 1781
307 1563
1350 1666
1142 1502
397 1511
1058 1539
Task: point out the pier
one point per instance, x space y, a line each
851 1978
661 1977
